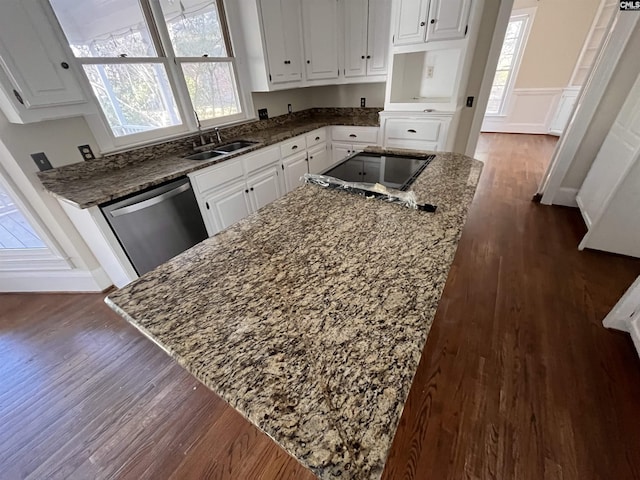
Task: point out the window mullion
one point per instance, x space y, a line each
173 68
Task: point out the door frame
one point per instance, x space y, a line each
499 32
589 98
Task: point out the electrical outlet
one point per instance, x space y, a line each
363 102
263 114
86 152
289 109
41 161
430 71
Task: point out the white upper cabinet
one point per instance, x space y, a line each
355 14
366 37
448 19
411 21
283 39
320 27
419 21
37 76
378 31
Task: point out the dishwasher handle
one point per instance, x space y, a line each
150 201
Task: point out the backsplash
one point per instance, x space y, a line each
185 144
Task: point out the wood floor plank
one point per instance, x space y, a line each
518 379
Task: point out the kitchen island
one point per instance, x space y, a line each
310 316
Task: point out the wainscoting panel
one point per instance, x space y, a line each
530 110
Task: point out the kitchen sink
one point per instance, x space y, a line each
232 147
208 155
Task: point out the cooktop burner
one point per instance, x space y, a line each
393 171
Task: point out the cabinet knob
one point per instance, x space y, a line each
65 65
422 24
308 61
317 138
246 191
368 56
433 20
251 189
310 158
363 57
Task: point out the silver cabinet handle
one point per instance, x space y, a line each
151 201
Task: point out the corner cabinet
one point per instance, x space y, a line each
37 74
419 21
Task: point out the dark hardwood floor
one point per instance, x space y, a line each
518 380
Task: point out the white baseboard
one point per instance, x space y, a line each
530 110
55 281
566 197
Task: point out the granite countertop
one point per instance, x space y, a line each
99 181
309 317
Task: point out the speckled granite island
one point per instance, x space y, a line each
310 316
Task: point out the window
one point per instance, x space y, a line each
156 67
508 62
15 230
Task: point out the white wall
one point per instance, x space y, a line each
325 96
556 38
58 139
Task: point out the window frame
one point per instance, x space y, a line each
165 56
528 14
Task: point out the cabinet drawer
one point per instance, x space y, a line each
217 175
260 159
413 129
295 145
413 145
316 137
368 135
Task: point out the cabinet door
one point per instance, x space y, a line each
281 25
319 159
264 188
448 19
355 37
294 168
411 22
228 205
378 36
33 58
340 151
320 26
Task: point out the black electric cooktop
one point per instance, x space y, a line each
393 171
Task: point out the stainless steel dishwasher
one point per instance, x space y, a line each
157 224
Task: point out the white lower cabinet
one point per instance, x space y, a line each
319 159
232 190
294 167
264 188
226 206
340 151
348 140
417 132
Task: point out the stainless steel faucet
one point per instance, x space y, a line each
217 132
202 140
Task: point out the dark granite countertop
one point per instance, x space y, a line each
86 184
309 317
